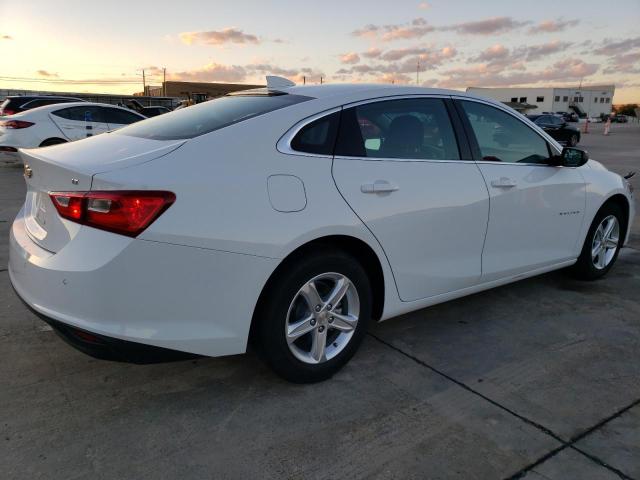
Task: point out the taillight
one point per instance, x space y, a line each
15 124
7 111
123 212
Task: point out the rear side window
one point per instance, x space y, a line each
319 136
82 114
417 128
209 116
502 137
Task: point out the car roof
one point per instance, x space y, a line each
346 89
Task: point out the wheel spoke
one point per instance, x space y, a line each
319 345
344 323
602 258
609 228
298 329
595 251
612 242
338 292
311 295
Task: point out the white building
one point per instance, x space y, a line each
591 100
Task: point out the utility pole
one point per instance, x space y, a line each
418 73
144 84
304 79
320 80
164 80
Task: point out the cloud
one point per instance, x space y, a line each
624 63
535 52
372 53
489 26
495 52
613 47
218 37
416 28
350 58
213 72
425 55
393 78
487 76
6 37
551 26
424 5
44 73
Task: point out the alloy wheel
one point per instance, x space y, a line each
322 318
605 242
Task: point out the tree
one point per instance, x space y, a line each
627 109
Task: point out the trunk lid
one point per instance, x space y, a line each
70 167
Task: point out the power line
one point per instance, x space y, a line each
104 81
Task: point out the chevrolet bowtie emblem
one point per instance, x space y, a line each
27 171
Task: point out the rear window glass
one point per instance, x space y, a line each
209 116
319 136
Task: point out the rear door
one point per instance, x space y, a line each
536 208
80 122
398 165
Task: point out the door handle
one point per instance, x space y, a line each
379 186
503 182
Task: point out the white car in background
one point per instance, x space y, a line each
295 215
60 123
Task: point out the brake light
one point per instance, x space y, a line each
15 124
124 212
7 111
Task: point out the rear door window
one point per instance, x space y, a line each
209 116
415 128
82 114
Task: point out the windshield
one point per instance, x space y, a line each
209 116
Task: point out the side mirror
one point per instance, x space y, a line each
571 157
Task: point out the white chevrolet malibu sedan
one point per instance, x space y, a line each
295 216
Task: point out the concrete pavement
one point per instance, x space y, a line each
537 380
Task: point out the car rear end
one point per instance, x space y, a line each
16 132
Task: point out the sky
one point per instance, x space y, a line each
81 46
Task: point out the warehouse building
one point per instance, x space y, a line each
589 101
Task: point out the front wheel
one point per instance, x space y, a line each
314 316
602 245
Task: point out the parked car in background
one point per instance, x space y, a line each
16 104
60 123
568 116
558 128
301 214
619 118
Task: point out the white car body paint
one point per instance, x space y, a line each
191 280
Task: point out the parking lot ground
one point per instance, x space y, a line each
539 380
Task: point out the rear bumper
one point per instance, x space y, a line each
121 289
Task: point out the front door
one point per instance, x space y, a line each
397 164
536 209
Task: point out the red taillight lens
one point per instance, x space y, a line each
124 212
7 111
15 124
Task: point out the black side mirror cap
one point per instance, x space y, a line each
570 157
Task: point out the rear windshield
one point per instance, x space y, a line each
206 117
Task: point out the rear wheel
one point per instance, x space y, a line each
52 141
602 245
314 316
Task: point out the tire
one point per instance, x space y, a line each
52 141
573 140
288 301
590 267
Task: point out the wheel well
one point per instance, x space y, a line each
351 245
623 203
52 139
